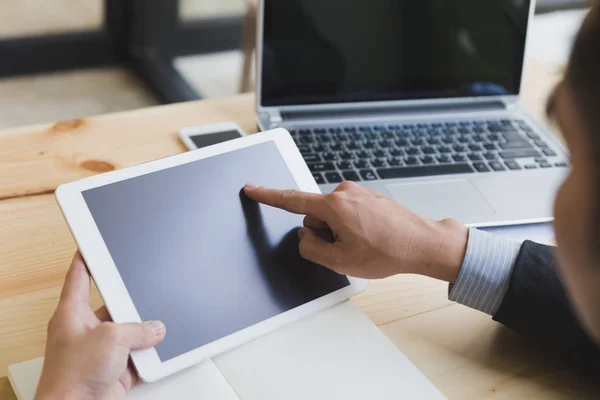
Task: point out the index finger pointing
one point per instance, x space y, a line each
294 201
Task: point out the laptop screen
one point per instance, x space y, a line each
336 51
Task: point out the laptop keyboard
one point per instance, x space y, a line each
367 153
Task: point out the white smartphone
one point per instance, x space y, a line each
197 137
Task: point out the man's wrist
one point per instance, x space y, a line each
55 392
448 250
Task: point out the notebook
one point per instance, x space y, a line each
335 354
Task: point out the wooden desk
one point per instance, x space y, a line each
465 353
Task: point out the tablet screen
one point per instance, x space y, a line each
197 254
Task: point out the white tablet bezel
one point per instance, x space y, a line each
111 286
186 133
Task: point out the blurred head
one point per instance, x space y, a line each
575 106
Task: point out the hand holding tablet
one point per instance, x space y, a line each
175 240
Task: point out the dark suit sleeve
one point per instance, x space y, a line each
537 305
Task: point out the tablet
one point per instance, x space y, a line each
176 240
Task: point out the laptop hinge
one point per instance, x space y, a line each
387 112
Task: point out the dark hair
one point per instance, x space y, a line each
582 78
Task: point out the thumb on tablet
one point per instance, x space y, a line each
140 336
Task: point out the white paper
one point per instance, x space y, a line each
335 354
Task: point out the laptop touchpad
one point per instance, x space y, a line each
442 199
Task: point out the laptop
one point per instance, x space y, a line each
419 100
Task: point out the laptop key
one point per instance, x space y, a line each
325 138
531 166
520 153
333 177
380 153
512 165
321 167
378 162
501 128
318 178
540 143
481 167
306 140
351 176
368 175
475 157
490 156
411 161
344 165
549 152
427 160
341 137
444 159
459 157
347 155
413 151
356 136
516 145
561 164
331 156
497 166
304 150
363 154
428 170
394 161
512 136
313 157
396 153
361 164
490 146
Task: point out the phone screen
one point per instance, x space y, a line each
208 139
